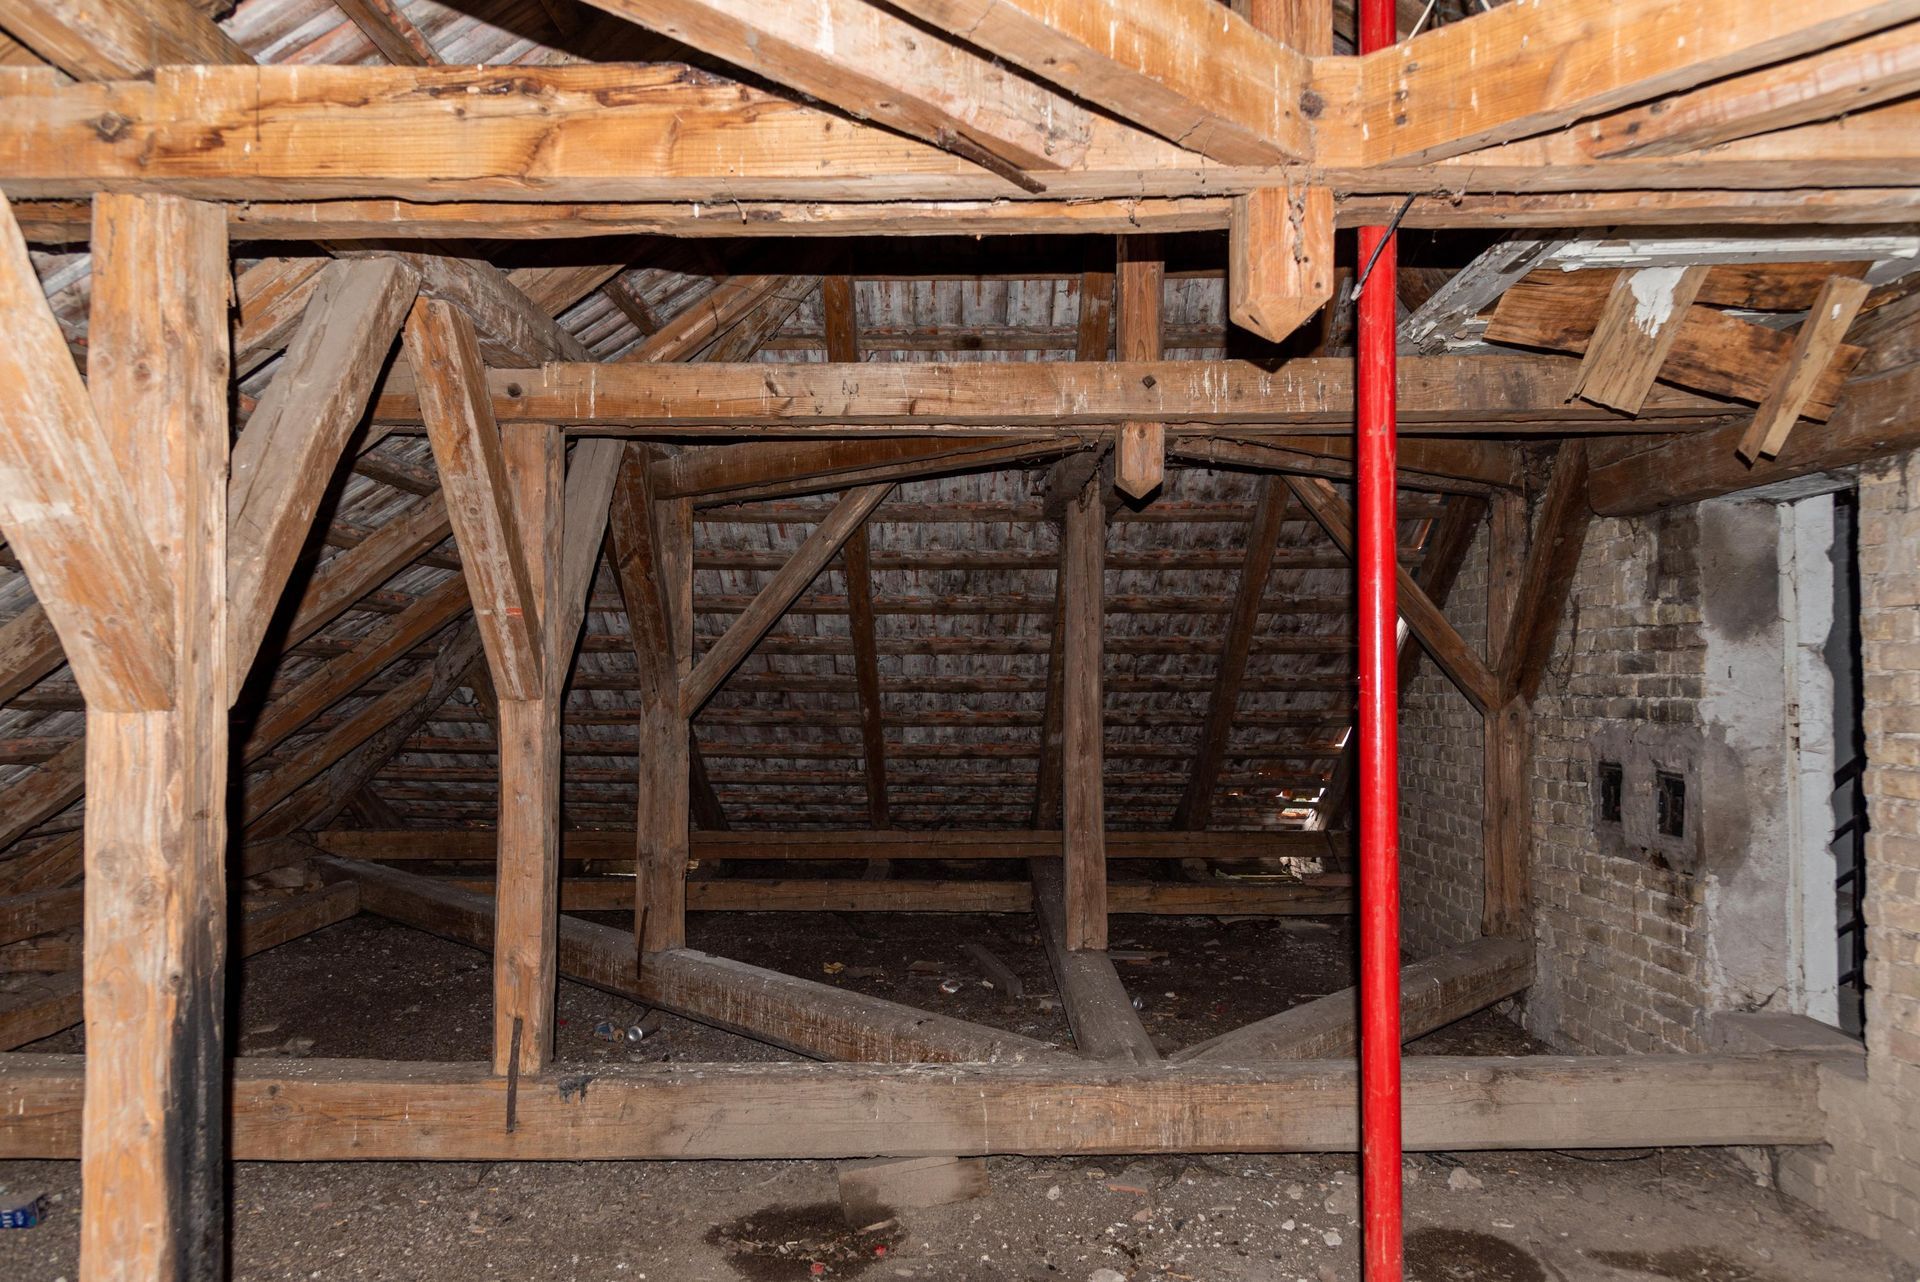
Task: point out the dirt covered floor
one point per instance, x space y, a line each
371 989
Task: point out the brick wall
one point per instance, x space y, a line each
1869 1181
1618 947
1440 770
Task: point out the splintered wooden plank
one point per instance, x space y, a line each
1140 455
1101 1014
1635 331
347 1110
118 39
797 1014
67 509
1712 352
1192 71
877 66
779 592
1279 258
1849 77
1816 345
473 470
284 460
1433 993
1524 69
1426 620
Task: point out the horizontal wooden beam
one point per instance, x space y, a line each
478 845
66 221
1437 393
46 1006
602 132
346 1110
1328 897
797 1014
1433 993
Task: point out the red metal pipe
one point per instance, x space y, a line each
1379 735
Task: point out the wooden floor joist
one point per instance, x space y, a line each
343 1110
796 1014
1433 994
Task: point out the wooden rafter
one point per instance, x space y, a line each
467 449
773 599
118 39
1205 79
1263 539
1525 69
1560 532
877 66
68 509
1424 618
386 24
285 457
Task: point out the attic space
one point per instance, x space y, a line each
974 640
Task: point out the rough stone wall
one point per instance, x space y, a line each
1441 765
1619 957
1869 1180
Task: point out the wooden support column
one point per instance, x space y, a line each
524 975
153 1151
1083 613
1141 457
650 548
1505 813
1524 602
505 500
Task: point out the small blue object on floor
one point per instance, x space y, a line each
17 1214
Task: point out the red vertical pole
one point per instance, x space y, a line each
1379 735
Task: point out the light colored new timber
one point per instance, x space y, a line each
1636 329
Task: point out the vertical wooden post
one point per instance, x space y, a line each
153 1150
528 900
1504 804
665 746
1141 455
1083 592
